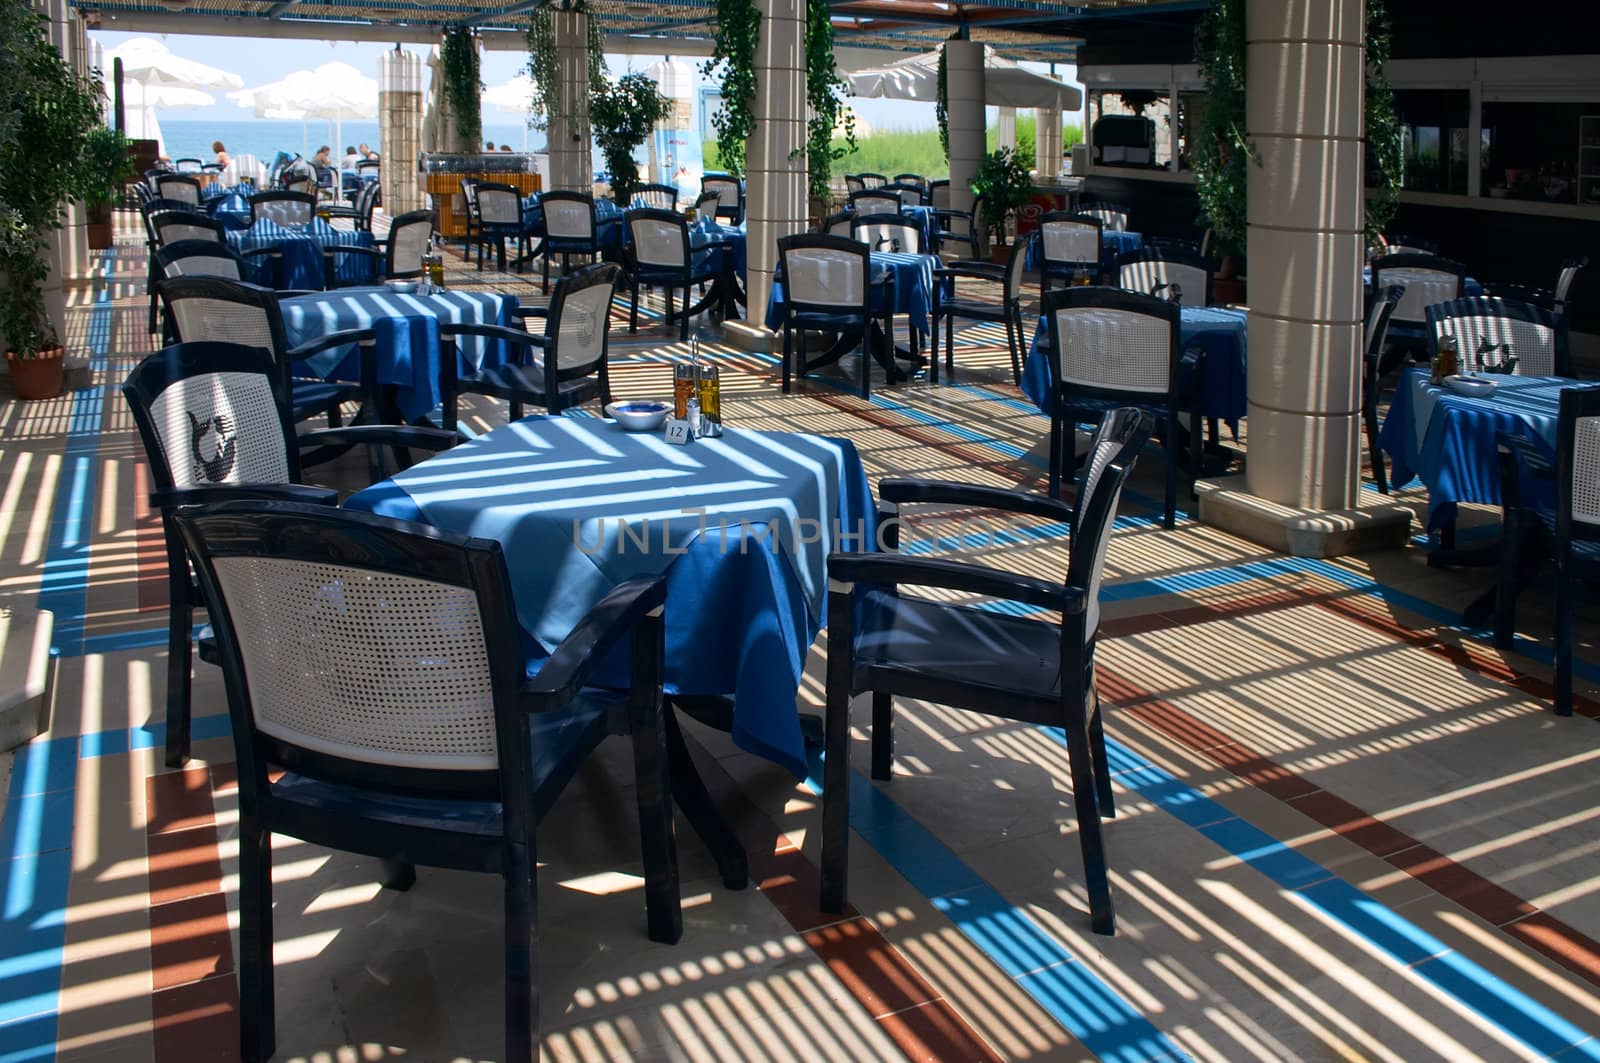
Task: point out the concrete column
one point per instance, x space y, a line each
1047 142
964 91
1008 128
1305 77
400 128
775 177
571 162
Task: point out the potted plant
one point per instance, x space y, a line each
1003 182
1222 151
623 113
46 115
108 167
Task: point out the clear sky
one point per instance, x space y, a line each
260 60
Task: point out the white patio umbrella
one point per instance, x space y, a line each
153 78
512 97
1005 83
332 92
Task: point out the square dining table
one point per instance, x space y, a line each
405 336
741 527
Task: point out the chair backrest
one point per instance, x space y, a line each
212 413
910 195
730 195
170 226
1487 329
410 236
1565 280
469 195
887 232
876 201
659 197
915 179
292 210
154 205
1378 315
840 224
1113 219
1169 273
872 180
187 165
824 272
366 202
499 204
1578 465
1427 279
1069 240
369 166
1112 343
198 258
1015 267
568 215
659 238
579 324
178 186
211 308
1112 452
939 195
362 650
854 183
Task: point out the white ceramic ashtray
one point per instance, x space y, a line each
638 416
401 287
1474 386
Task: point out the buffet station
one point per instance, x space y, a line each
441 173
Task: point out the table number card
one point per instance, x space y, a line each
678 432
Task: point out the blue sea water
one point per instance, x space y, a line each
263 138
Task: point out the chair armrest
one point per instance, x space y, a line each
206 494
328 342
289 293
493 332
329 250
948 212
894 570
565 671
260 252
901 492
387 435
531 311
962 269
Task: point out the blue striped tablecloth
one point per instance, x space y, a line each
740 526
1448 440
302 252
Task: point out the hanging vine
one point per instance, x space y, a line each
825 91
733 52
544 64
941 106
1381 127
463 89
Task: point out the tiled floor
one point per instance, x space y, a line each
1346 828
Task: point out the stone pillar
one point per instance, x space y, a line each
964 93
571 161
1047 142
400 128
775 175
1305 77
1008 128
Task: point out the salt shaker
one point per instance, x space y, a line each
692 415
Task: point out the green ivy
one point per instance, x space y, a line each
1381 126
47 118
623 113
463 88
941 106
825 91
1222 150
1004 183
544 66
733 51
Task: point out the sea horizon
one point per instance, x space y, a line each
264 138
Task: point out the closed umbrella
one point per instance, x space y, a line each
1005 83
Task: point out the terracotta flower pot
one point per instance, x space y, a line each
99 227
38 377
999 254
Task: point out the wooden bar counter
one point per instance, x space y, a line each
440 175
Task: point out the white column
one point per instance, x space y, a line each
775 178
964 93
1047 142
1305 77
1008 128
400 128
571 164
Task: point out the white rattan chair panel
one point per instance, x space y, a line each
290 213
1586 471
585 316
564 219
497 206
199 318
1424 287
369 666
1147 276
1069 241
1114 221
170 232
901 237
1116 349
204 266
221 428
821 276
882 204
408 243
657 242
1481 337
